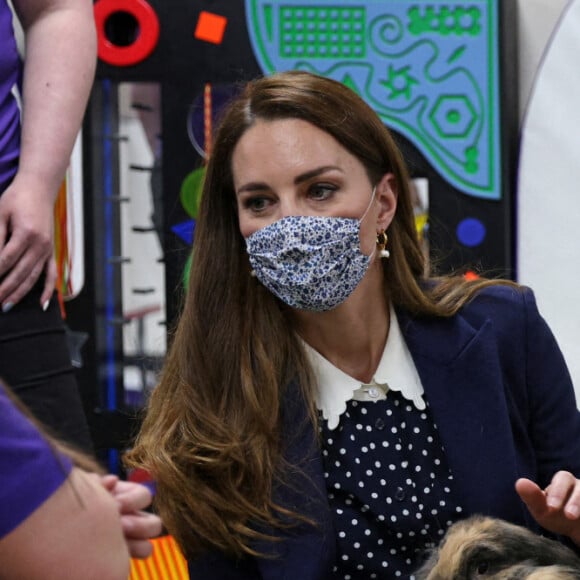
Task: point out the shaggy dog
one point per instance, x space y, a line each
487 548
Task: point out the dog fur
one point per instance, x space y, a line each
487 548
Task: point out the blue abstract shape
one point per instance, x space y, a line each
184 231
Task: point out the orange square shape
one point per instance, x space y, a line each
210 27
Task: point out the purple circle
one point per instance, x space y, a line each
471 232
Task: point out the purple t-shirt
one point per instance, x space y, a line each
10 84
30 469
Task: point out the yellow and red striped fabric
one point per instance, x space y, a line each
165 563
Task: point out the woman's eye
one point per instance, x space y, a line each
256 204
321 191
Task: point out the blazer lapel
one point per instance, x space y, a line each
464 385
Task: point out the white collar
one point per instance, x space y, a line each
396 372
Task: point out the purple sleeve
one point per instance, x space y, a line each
30 470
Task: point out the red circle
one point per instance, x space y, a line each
145 42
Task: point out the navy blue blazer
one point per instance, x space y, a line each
502 399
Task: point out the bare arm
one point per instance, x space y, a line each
75 534
59 68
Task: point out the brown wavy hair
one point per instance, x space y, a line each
211 433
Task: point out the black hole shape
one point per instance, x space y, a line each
122 29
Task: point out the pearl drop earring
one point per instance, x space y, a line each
382 240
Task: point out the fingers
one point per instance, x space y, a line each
22 261
49 283
138 528
132 497
533 496
139 548
564 494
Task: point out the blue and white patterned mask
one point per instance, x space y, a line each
310 263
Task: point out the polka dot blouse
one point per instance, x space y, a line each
389 488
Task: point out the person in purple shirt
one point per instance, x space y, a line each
58 520
42 102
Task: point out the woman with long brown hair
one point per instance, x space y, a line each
326 410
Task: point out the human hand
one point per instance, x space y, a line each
26 243
138 526
556 508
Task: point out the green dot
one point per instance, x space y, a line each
453 116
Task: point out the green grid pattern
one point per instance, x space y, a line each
322 32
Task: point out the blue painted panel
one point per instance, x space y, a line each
429 70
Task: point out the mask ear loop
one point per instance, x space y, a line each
368 206
364 216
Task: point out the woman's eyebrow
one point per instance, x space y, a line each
261 186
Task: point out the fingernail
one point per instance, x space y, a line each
573 510
7 307
45 305
553 502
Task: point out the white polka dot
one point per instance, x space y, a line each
358 426
339 511
367 532
398 447
458 509
337 485
372 445
383 482
370 555
377 463
404 464
348 474
364 449
363 410
393 518
385 444
342 451
374 495
369 472
369 428
381 518
337 463
344 557
392 467
405 512
427 490
394 429
357 460
356 545
341 535
354 521
330 441
384 564
361 484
